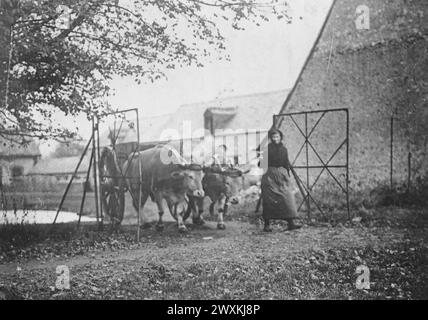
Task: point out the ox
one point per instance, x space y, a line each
164 175
223 186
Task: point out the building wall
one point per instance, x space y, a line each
241 146
375 83
7 166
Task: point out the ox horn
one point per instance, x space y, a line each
176 174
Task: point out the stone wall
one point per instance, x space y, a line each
377 74
374 83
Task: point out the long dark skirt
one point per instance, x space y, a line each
278 198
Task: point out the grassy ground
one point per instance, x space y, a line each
316 262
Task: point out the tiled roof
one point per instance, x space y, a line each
253 111
247 112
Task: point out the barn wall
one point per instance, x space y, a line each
375 83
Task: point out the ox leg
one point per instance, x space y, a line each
222 206
158 199
259 203
144 195
134 193
197 205
181 226
212 208
173 208
145 224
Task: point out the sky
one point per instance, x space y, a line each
262 58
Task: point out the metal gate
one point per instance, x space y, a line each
305 125
99 175
121 154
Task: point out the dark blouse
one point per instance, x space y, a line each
278 156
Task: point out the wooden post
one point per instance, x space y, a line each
347 165
95 163
139 178
308 201
84 188
71 180
99 173
391 152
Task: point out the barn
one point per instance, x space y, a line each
17 160
239 122
379 71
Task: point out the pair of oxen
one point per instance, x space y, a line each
183 185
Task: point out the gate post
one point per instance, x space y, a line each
308 203
391 155
96 177
347 164
98 155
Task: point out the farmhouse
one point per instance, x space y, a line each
60 170
16 160
377 73
239 122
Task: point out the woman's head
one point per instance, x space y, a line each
275 136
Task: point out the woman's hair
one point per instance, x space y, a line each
275 131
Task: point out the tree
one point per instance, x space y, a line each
66 52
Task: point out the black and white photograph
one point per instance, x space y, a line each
213 154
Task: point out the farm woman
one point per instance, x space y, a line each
278 198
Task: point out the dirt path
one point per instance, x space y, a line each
239 262
206 245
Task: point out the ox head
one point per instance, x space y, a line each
190 176
230 180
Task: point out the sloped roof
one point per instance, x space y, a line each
57 166
13 149
222 111
389 20
248 112
253 111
